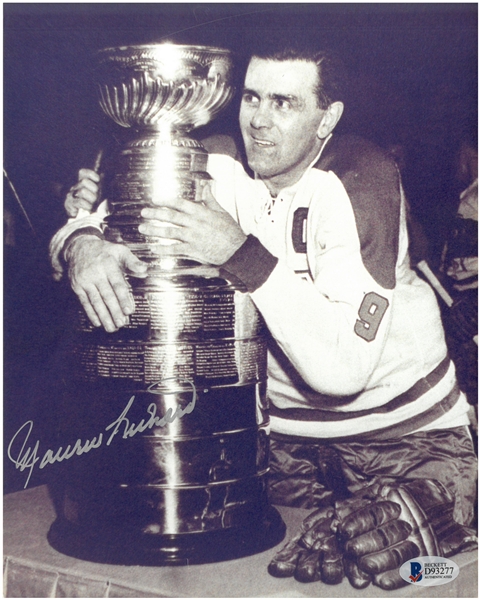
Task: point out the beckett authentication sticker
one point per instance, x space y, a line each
429 571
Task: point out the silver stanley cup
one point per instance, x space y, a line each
163 92
192 488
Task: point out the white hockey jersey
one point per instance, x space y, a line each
357 346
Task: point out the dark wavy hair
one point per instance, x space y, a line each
332 75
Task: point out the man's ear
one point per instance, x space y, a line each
330 119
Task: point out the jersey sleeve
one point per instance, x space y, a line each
333 327
84 221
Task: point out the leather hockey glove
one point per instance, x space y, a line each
370 535
313 553
402 521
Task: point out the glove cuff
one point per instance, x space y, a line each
428 507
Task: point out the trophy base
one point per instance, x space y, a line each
127 548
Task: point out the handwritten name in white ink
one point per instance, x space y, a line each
29 455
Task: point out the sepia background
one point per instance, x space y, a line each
414 91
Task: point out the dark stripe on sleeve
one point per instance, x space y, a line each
252 264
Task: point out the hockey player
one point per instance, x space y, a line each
361 388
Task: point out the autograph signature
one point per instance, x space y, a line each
28 457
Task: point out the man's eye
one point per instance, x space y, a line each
282 104
249 99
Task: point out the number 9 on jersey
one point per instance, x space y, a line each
371 312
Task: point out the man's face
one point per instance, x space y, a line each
279 119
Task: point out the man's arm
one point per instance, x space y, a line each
79 203
96 268
333 327
324 327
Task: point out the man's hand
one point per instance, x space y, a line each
202 231
84 193
96 269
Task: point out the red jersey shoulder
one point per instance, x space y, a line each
371 180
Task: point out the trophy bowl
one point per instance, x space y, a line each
161 92
164 86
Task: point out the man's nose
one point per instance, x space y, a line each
261 116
